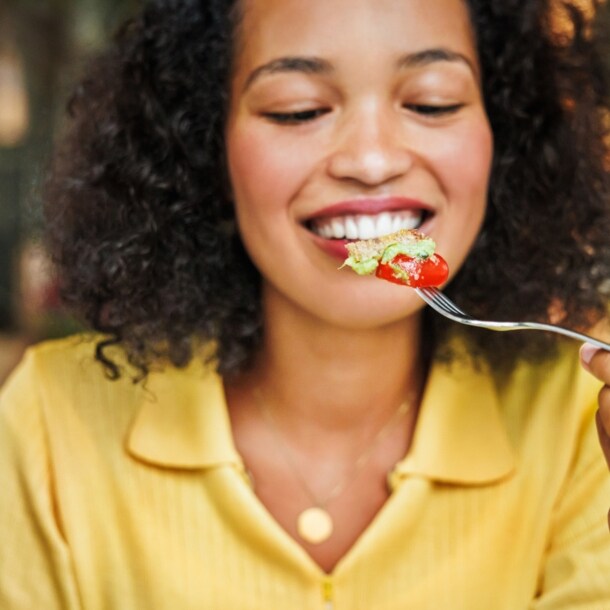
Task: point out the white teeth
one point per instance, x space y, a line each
411 222
351 228
397 223
338 228
384 224
367 226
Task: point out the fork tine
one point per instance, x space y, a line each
431 298
450 305
446 307
443 301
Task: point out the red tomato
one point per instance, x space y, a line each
432 271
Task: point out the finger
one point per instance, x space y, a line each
604 441
604 437
596 361
603 412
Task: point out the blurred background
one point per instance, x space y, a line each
43 45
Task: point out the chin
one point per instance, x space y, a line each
374 309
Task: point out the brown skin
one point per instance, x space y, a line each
333 368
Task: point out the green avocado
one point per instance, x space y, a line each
363 267
422 249
416 248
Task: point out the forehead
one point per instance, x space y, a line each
329 28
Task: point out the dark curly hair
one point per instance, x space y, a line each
141 230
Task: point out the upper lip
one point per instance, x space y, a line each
369 206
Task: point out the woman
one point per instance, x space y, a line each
301 437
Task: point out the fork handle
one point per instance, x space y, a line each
569 333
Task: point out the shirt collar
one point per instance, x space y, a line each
460 437
183 421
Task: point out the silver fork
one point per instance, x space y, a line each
446 307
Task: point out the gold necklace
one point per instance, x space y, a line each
314 524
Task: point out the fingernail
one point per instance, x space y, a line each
587 351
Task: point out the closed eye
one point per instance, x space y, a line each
433 110
294 118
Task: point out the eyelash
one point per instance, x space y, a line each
432 111
305 116
294 118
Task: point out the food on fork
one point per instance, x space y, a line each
406 257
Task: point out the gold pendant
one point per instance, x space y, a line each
315 525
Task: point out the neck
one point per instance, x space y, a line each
323 377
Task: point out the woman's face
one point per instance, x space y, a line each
350 119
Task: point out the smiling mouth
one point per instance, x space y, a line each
366 226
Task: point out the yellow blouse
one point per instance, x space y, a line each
119 496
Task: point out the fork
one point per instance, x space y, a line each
446 307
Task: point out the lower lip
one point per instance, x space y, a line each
333 247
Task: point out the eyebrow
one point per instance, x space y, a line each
315 65
305 65
430 56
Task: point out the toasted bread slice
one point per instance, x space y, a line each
374 248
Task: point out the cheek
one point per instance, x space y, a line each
463 169
263 174
466 165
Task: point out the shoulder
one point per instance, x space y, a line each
67 362
558 384
63 381
549 409
67 357
59 377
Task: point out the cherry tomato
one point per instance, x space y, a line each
414 272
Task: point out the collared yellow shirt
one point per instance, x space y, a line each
119 496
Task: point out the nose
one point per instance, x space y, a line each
370 147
